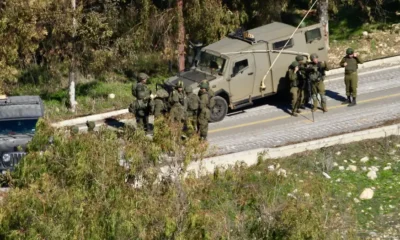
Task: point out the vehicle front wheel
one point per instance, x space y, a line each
220 109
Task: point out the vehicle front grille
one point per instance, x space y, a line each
15 158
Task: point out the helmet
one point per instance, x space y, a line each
162 93
75 130
299 58
141 95
349 51
294 64
203 85
179 84
188 89
91 125
313 56
143 76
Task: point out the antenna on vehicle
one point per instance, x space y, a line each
262 85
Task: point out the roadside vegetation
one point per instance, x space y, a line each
80 187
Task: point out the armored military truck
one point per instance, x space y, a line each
18 118
237 65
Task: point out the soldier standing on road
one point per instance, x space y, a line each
295 88
177 101
142 104
205 113
350 63
192 110
302 79
316 74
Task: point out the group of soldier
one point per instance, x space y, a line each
307 80
180 106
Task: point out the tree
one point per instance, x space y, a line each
181 36
72 69
322 6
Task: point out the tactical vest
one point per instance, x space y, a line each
352 65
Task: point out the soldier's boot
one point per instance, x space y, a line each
353 103
294 114
348 101
315 105
324 108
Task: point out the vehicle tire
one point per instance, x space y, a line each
220 109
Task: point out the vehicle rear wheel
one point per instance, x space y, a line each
220 109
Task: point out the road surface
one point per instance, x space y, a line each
269 124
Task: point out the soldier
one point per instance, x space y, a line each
142 104
177 101
160 103
350 63
302 79
192 107
205 113
295 88
210 93
316 74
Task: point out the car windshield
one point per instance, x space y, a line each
12 127
211 64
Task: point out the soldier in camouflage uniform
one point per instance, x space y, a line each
350 63
205 113
302 80
295 88
316 74
192 109
160 103
177 102
143 103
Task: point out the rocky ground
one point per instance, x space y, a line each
371 45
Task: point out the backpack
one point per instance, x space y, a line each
211 99
193 102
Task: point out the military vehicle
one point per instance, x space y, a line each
237 65
18 118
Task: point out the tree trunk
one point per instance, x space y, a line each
324 19
72 69
181 37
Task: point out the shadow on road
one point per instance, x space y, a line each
335 95
281 102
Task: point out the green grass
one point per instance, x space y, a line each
81 175
92 97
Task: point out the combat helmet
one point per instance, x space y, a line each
188 89
161 93
142 76
299 58
179 84
90 125
203 85
294 64
349 51
313 56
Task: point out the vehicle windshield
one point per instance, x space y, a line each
13 127
211 64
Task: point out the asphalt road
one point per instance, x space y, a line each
269 124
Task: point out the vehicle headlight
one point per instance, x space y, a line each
6 157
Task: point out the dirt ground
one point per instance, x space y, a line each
370 45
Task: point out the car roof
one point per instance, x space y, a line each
267 33
21 107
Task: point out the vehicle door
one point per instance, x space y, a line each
315 41
241 79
